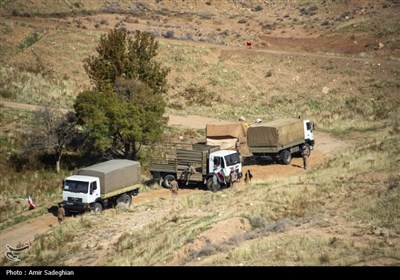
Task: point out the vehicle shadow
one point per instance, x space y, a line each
296 165
247 161
53 210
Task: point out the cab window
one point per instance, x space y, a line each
309 126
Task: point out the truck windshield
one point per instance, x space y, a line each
232 159
76 186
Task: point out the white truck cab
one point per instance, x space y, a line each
308 133
227 160
80 192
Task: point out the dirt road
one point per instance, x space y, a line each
192 122
325 147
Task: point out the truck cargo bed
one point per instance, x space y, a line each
114 174
276 135
176 159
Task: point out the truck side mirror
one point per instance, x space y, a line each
62 184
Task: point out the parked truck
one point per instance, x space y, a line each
280 139
194 164
101 185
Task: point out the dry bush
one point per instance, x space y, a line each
195 95
393 181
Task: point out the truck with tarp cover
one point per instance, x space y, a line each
280 139
101 185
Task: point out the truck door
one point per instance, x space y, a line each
215 163
94 191
308 131
226 169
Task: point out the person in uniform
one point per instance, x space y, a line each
190 171
233 177
61 213
174 188
305 154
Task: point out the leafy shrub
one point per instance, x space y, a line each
30 40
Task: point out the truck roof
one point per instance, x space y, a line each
111 165
223 153
278 122
81 178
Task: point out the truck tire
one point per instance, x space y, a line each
309 149
124 200
212 184
166 183
98 207
134 192
286 157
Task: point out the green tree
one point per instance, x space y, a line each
125 108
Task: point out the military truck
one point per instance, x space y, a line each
102 185
195 164
280 139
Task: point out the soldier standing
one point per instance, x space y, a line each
174 188
305 154
61 213
233 177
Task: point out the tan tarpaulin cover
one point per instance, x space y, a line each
226 132
276 133
224 144
114 174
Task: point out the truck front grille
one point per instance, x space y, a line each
74 199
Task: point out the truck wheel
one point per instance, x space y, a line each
286 157
309 149
134 192
98 207
212 184
166 183
124 200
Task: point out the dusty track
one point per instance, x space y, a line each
325 147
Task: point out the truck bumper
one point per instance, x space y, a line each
75 207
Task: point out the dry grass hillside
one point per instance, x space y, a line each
335 62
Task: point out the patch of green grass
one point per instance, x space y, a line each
30 40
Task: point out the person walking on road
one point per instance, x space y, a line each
233 178
305 153
61 213
174 188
